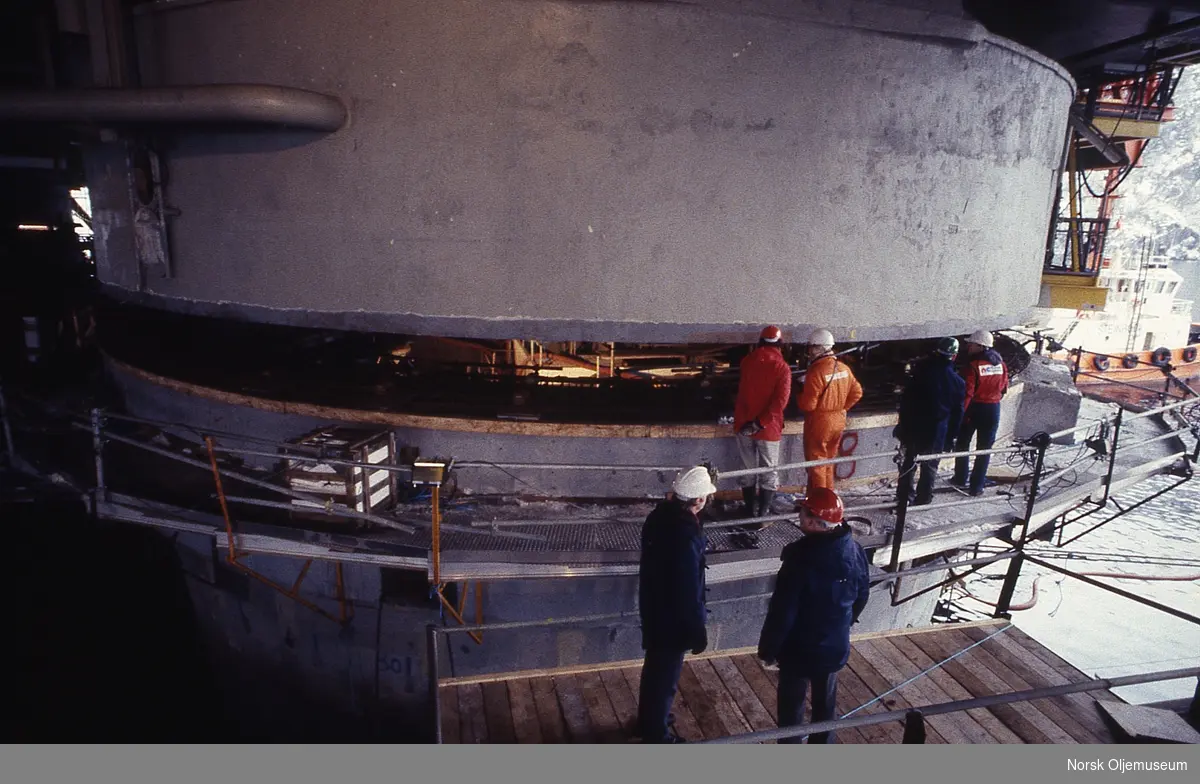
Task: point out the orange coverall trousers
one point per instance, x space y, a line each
822 438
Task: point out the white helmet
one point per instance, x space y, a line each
693 483
822 338
981 337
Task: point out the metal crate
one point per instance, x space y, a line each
344 484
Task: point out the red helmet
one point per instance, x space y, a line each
770 334
824 504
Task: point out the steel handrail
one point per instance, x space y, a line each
1096 684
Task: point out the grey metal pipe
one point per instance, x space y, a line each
335 510
239 104
805 464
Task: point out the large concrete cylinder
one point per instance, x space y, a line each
633 171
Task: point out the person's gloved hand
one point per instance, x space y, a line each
701 644
750 428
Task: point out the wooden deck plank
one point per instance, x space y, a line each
623 701
497 713
451 731
1039 674
919 692
1072 729
524 712
726 706
700 704
1068 671
955 691
853 693
932 684
759 683
574 709
472 724
606 728
550 718
1017 717
739 688
876 685
684 723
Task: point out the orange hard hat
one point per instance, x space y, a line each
824 504
770 334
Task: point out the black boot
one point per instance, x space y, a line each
748 499
765 497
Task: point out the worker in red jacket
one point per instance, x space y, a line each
987 382
764 386
830 390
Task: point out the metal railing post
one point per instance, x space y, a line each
98 452
1112 457
437 536
914 727
909 471
1042 442
435 702
1010 586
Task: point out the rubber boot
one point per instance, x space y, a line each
765 497
749 499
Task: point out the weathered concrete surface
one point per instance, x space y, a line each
660 172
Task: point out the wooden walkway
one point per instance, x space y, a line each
730 693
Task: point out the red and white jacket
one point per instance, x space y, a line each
987 378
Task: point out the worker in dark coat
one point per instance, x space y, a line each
986 378
820 591
930 413
671 598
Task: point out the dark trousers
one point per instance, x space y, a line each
981 420
928 472
660 677
790 693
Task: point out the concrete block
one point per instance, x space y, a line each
1050 400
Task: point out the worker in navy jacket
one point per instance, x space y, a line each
986 378
820 591
671 598
930 415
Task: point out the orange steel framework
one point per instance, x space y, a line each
345 611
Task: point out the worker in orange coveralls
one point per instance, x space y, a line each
830 390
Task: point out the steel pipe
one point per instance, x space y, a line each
336 510
233 104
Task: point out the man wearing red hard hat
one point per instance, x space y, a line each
820 591
764 387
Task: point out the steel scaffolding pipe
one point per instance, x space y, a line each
221 104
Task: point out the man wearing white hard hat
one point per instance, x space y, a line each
671 597
830 390
987 382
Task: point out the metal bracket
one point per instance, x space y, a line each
149 210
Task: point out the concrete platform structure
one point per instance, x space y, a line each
568 170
